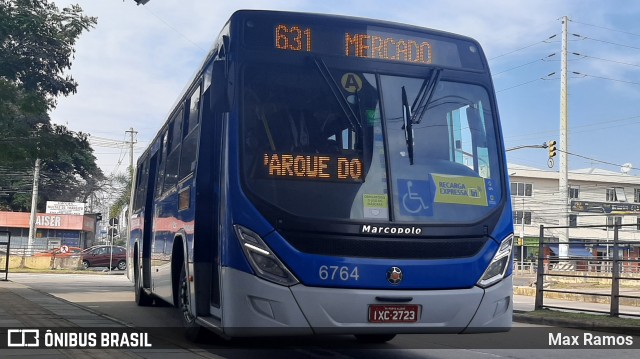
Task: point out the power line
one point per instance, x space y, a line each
605 78
174 29
596 160
599 58
605 122
606 42
523 65
606 28
525 47
526 83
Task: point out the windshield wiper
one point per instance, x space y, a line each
413 114
353 119
424 96
408 124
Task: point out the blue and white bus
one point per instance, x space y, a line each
328 175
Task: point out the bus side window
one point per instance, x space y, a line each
138 199
161 163
173 159
190 133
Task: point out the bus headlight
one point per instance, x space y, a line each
262 259
499 264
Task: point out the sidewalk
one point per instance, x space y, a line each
24 308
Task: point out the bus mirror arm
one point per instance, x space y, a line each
219 98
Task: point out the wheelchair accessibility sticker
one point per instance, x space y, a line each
415 198
460 190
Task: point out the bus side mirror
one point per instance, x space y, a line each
219 98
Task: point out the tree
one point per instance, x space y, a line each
68 172
37 42
36 47
122 186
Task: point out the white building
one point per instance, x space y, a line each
596 198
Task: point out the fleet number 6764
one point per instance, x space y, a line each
343 273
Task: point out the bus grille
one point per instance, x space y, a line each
385 247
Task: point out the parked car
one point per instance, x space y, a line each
62 251
101 256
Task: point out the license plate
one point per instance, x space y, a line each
383 313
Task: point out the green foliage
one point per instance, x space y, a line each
36 46
122 182
37 42
68 171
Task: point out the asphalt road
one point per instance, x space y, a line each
112 295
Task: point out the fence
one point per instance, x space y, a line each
522 268
36 256
604 269
6 243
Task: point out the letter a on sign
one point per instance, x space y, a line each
351 82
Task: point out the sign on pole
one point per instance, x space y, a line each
75 208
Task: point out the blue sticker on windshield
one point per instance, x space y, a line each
415 198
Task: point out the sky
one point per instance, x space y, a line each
135 63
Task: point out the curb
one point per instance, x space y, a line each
522 317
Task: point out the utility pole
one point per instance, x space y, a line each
132 179
34 205
131 143
563 188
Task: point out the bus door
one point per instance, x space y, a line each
148 223
219 112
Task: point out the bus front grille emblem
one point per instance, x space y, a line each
394 275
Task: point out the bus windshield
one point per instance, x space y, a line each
335 144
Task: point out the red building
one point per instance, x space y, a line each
52 230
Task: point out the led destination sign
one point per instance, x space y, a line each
293 38
387 48
358 39
312 167
383 46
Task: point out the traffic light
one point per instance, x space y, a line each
552 149
113 221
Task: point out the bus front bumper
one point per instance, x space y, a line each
254 307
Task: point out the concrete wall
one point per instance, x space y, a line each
42 262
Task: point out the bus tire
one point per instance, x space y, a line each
193 330
142 298
374 338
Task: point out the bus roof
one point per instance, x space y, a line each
345 18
